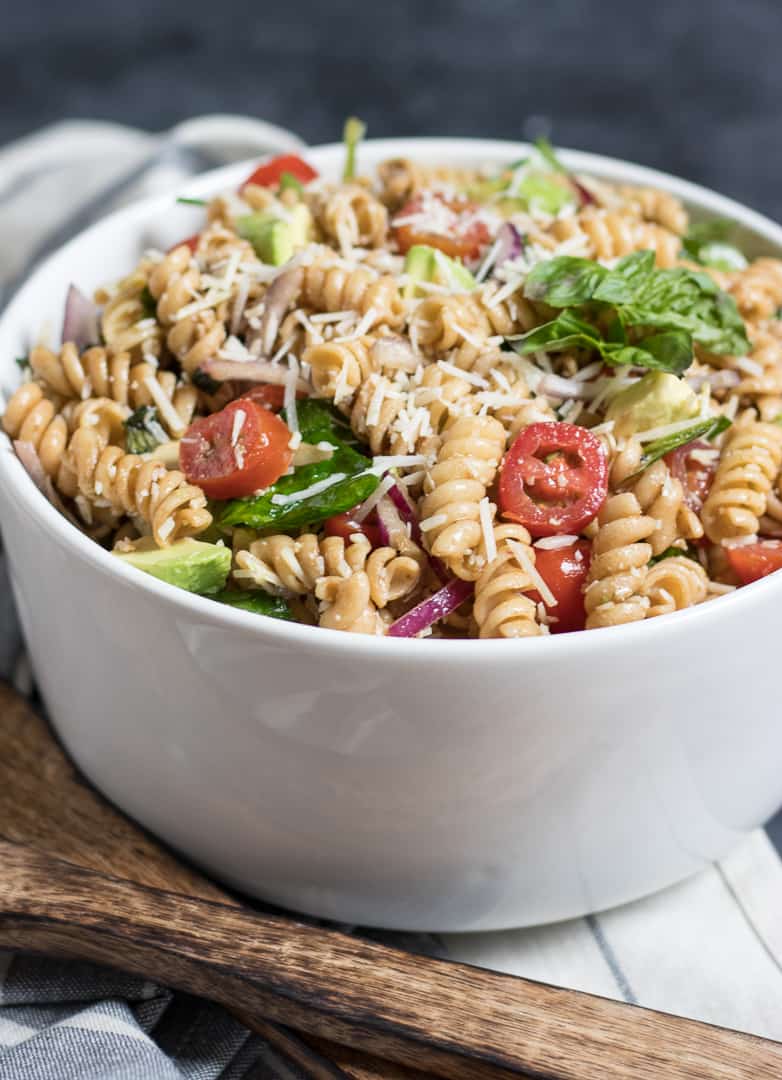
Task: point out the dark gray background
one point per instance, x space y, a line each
693 86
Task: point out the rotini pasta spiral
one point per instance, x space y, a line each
442 323
33 418
501 608
353 217
339 367
620 554
328 286
758 288
748 467
658 206
611 234
192 338
144 489
660 495
126 324
106 374
468 458
673 584
347 604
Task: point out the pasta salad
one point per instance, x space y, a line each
497 402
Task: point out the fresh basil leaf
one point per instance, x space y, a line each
722 257
318 422
148 303
260 603
670 351
709 428
621 285
186 201
564 281
143 430
567 331
205 382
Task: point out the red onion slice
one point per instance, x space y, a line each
431 610
511 244
80 322
31 462
280 295
392 528
585 196
251 371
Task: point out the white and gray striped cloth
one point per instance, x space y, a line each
710 948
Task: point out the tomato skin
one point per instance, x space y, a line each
270 174
554 478
223 469
343 525
565 571
750 562
461 244
695 476
191 241
269 395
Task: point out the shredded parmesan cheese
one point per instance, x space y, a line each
525 561
307 493
486 516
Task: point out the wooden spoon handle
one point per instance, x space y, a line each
453 1020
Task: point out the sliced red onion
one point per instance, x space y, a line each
392 528
585 196
251 371
80 323
725 379
510 244
406 510
282 292
431 610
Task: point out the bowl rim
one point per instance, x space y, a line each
34 504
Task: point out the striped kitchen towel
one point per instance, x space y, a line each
709 948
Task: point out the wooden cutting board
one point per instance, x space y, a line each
77 879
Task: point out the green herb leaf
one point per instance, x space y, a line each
546 151
143 430
709 428
148 303
260 603
205 382
186 201
354 131
644 296
318 422
290 182
672 552
567 331
23 362
707 242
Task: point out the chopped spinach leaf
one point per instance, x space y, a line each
290 182
708 242
672 552
205 382
143 430
354 131
23 362
709 428
148 303
260 603
318 422
187 201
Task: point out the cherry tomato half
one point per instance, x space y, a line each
695 474
554 478
234 452
565 571
753 561
191 241
345 526
269 395
270 174
461 237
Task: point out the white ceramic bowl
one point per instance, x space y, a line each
428 785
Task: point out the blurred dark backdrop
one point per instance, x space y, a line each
692 86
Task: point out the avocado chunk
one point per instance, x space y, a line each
424 263
657 399
188 564
276 239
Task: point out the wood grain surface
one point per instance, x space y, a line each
423 1014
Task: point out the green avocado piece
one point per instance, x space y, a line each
188 564
260 603
275 239
424 263
657 399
